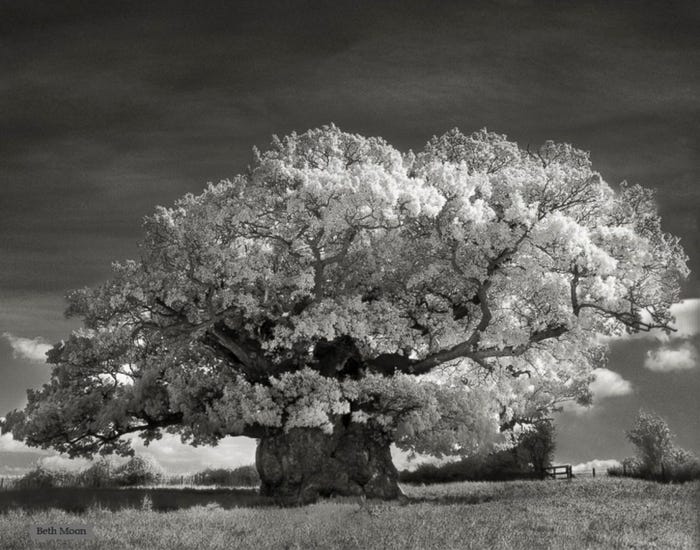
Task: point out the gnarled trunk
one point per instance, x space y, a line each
305 463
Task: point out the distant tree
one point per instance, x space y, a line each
341 296
531 453
41 478
653 439
98 474
537 444
139 470
657 456
243 476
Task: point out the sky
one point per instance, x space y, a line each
108 109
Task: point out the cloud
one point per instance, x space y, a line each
58 462
666 359
33 349
606 384
10 445
180 458
601 465
169 452
12 471
687 314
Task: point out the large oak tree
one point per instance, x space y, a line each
341 296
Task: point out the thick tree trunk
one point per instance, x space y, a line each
305 463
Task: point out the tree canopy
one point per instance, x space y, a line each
443 297
653 440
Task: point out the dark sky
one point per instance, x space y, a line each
110 108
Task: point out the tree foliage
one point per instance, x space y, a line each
538 444
658 458
138 470
653 439
442 297
532 452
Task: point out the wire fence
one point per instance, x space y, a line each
566 471
592 473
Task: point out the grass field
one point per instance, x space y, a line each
602 513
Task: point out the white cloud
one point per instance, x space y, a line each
687 314
10 445
12 471
174 456
33 349
606 384
601 465
58 462
177 457
667 359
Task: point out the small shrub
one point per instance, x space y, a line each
684 471
146 503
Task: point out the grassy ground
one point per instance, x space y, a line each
601 513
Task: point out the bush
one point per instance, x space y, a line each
679 466
98 474
657 458
139 470
532 453
501 466
244 476
680 472
43 478
631 467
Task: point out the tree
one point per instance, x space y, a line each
139 470
537 444
340 296
653 439
657 456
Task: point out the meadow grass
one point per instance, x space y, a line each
602 513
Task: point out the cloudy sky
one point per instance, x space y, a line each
110 108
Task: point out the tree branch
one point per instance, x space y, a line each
465 350
627 318
254 365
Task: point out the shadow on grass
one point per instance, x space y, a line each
79 500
